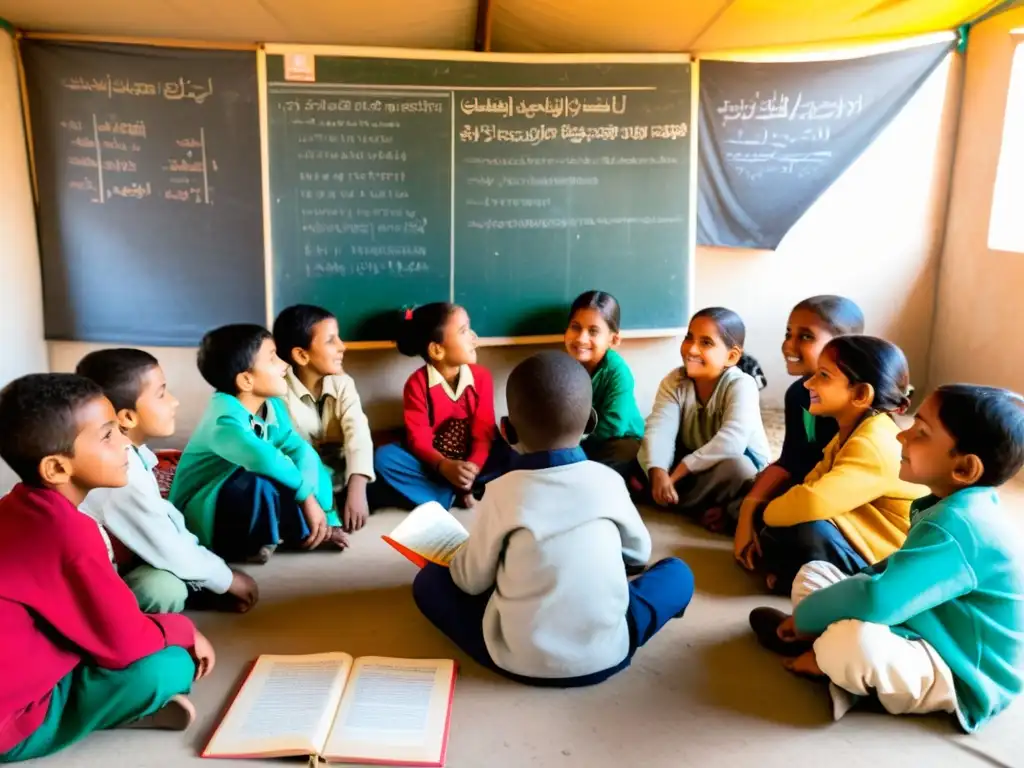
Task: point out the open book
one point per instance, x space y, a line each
429 534
342 710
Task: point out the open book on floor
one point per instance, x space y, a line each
428 534
341 710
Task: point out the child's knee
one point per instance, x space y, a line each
157 591
847 646
388 457
169 672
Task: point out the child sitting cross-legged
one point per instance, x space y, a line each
539 592
78 654
246 481
162 561
938 626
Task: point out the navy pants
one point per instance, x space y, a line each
660 594
254 511
786 550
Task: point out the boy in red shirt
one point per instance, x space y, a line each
79 656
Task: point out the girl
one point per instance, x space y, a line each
592 333
705 441
813 323
449 412
852 510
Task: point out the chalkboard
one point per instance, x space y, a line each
506 186
148 169
775 135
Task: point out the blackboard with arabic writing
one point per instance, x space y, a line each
147 162
506 186
774 136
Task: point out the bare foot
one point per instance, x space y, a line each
263 556
336 539
714 520
805 665
176 715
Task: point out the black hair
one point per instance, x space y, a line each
294 328
549 399
119 372
841 315
420 327
734 334
606 305
874 361
227 351
988 422
38 418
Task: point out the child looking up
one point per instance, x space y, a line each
812 324
852 510
539 591
448 407
592 334
79 656
324 404
705 440
166 565
938 626
246 481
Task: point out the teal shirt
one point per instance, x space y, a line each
956 583
617 413
225 440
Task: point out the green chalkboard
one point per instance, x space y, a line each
508 186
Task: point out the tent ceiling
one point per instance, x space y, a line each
517 25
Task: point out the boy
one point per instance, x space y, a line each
539 592
939 625
79 656
246 481
324 405
166 565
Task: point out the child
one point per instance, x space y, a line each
324 405
78 654
705 441
539 592
813 323
939 625
246 481
449 412
592 333
167 567
852 510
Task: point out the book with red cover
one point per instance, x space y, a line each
428 534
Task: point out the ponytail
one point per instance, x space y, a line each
749 365
420 327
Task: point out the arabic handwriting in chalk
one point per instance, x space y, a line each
189 143
84 142
135 191
86 185
175 165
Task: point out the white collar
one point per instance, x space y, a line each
434 378
300 390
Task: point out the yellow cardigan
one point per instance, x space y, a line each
856 486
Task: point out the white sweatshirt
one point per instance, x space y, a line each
554 542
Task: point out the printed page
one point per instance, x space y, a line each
431 532
394 710
285 707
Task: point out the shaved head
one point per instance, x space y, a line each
549 399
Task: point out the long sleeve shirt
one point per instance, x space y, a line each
153 529
807 435
61 605
728 425
956 583
614 401
229 437
429 402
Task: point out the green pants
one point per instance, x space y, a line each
93 699
157 591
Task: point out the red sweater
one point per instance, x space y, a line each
422 422
61 605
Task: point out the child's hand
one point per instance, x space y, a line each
244 589
460 474
744 546
357 510
662 489
203 655
316 519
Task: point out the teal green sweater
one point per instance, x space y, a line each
226 440
955 583
617 414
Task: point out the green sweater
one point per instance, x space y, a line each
956 583
225 440
617 412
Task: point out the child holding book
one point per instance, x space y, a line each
324 404
163 563
539 591
246 481
938 626
79 656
